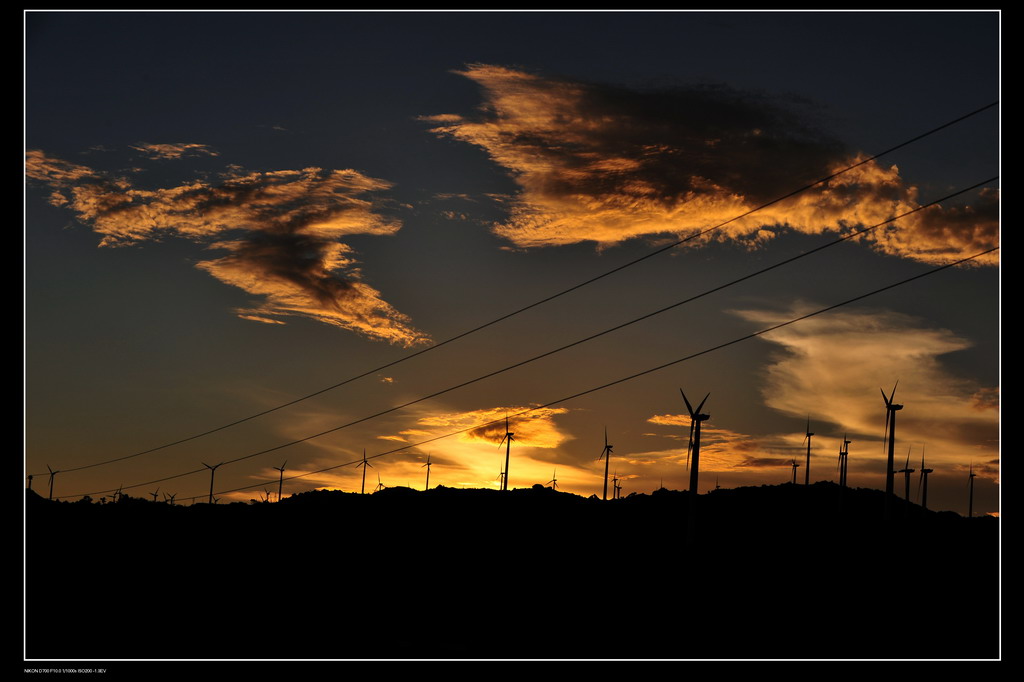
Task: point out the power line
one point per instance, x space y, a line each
581 393
523 309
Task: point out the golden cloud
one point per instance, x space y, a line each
603 164
536 429
833 367
174 150
284 228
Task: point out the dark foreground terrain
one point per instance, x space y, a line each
777 572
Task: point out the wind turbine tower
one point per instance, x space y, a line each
507 440
427 486
906 471
695 421
807 437
280 480
844 453
891 408
52 475
213 470
364 464
922 483
606 454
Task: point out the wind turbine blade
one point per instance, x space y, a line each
893 394
906 465
703 401
887 401
688 407
885 434
920 480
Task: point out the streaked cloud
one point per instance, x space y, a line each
536 429
605 164
278 233
174 150
834 366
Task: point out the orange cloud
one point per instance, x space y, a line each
604 164
279 229
536 429
174 151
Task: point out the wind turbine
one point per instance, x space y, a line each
695 420
606 454
795 464
170 498
364 464
280 480
844 452
155 492
970 499
906 471
554 480
52 474
615 485
891 408
922 483
507 440
213 470
427 486
380 486
618 489
501 479
807 437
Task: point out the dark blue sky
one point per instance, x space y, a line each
133 346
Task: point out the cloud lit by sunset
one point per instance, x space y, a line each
604 164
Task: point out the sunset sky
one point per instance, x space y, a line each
228 211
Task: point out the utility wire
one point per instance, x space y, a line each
574 395
563 292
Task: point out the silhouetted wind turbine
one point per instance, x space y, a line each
364 464
606 454
906 471
554 480
52 474
213 470
280 480
501 479
170 498
891 409
427 486
922 483
695 420
380 486
615 485
807 437
970 499
795 465
618 488
507 440
844 452
154 493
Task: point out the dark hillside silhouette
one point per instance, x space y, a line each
345 572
